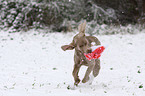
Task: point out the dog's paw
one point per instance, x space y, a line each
85 80
71 87
77 82
91 78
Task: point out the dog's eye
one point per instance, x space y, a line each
81 45
85 43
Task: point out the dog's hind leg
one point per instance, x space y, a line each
96 67
91 78
89 70
95 72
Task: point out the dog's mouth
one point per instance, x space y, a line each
89 51
84 52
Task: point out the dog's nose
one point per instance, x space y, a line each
89 50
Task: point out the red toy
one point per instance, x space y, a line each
96 53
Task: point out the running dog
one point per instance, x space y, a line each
82 44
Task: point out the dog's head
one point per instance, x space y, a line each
80 42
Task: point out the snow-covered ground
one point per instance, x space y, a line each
33 64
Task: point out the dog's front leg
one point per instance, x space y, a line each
89 69
75 74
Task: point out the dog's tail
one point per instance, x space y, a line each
82 27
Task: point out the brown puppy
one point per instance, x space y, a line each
82 44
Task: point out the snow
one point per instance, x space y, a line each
33 64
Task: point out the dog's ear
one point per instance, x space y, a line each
81 29
94 39
67 47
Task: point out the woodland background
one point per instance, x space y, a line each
65 15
